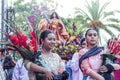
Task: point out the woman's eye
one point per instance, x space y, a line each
89 34
52 39
92 35
95 35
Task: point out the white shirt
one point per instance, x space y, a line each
20 72
2 74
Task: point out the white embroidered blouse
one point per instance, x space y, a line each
52 62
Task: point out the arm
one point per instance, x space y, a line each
75 62
95 75
61 65
88 67
89 71
20 71
2 74
115 66
34 67
15 75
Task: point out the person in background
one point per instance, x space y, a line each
8 66
2 73
2 56
58 28
43 25
20 72
86 64
111 64
82 44
68 65
111 67
56 25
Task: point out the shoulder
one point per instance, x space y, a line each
56 55
19 62
82 51
104 51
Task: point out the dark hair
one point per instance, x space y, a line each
2 50
51 17
82 40
44 34
8 62
89 30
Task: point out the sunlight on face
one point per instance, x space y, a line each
92 37
50 41
84 44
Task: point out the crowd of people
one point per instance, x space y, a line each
84 65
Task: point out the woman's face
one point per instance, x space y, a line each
49 41
92 37
2 55
84 44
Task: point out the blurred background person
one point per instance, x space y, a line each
2 56
8 66
20 72
82 43
58 28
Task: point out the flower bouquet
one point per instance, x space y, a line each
113 50
66 50
25 46
114 46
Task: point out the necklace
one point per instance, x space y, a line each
46 53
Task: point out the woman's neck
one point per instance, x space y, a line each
45 51
90 46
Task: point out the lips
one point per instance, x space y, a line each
93 40
52 45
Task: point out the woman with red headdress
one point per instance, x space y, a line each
56 25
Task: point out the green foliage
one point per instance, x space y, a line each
95 11
68 24
24 9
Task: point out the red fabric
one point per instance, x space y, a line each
117 73
59 29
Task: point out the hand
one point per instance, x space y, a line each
60 71
103 68
116 66
49 75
